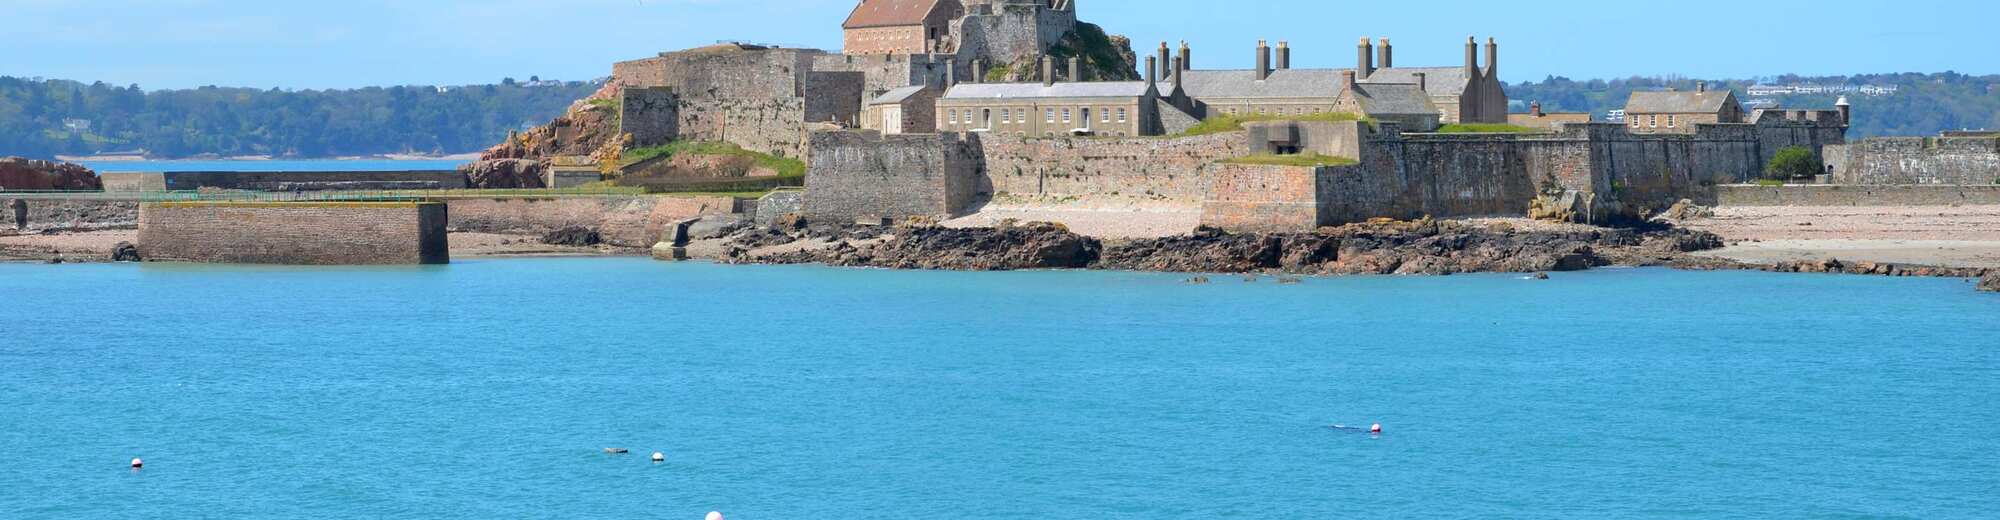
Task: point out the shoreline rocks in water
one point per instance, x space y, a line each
1425 247
1991 283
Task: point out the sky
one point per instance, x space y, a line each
301 44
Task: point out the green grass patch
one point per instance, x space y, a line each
1229 123
1769 183
1292 160
1487 128
785 166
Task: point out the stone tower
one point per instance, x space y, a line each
1011 31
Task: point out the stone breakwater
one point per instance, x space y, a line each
1424 247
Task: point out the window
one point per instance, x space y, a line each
1635 121
1670 120
1104 115
1121 115
1051 115
1003 116
1653 121
1066 114
951 116
986 118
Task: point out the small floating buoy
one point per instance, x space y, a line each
136 463
1376 428
659 457
615 451
713 515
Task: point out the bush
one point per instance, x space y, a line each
1792 162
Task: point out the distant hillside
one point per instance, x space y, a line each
1923 104
43 118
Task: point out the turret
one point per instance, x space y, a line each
1846 111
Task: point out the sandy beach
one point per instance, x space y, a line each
1944 236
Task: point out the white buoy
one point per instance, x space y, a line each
1376 428
659 457
136 463
713 515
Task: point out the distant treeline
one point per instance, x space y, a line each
44 118
1923 104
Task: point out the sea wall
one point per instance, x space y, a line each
301 233
1856 195
1917 160
1145 168
637 221
779 203
285 181
865 175
1249 198
68 214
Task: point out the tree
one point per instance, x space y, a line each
1792 162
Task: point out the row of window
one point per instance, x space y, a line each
1653 121
1281 111
1020 115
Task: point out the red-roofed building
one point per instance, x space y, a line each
900 26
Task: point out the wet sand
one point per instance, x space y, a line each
1943 236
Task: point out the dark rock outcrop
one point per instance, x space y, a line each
17 173
575 236
1991 283
503 174
1025 246
125 252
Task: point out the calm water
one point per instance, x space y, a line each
269 166
486 389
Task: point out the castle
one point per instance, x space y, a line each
904 122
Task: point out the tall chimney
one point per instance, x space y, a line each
1347 81
1187 59
1076 68
1387 60
978 71
1535 108
1048 71
1471 57
1263 60
950 72
1492 58
1364 58
1284 55
1700 86
1179 67
1152 70
1166 57
1423 82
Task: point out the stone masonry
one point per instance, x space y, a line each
856 175
1917 160
300 233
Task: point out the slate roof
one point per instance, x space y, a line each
889 13
1672 102
897 95
1448 81
1285 83
1394 99
1090 89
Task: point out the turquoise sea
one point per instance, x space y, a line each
327 165
488 389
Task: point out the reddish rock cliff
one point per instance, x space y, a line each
18 173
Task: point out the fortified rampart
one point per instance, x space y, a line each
285 181
1917 160
1143 168
301 233
1854 195
865 175
758 98
621 221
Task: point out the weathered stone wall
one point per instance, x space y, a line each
763 100
722 71
1146 168
863 174
622 221
303 233
834 97
778 204
1851 195
1435 175
70 214
1918 160
1011 32
650 114
1264 199
134 181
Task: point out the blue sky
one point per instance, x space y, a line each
351 43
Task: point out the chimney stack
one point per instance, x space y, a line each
950 72
1263 60
1076 69
1152 70
1386 59
1284 55
1700 87
1471 57
1166 57
1423 82
1048 71
978 71
1364 58
1179 67
1347 81
1535 108
1187 59
1492 58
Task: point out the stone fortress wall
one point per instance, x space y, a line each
1967 161
857 175
284 181
761 99
300 233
